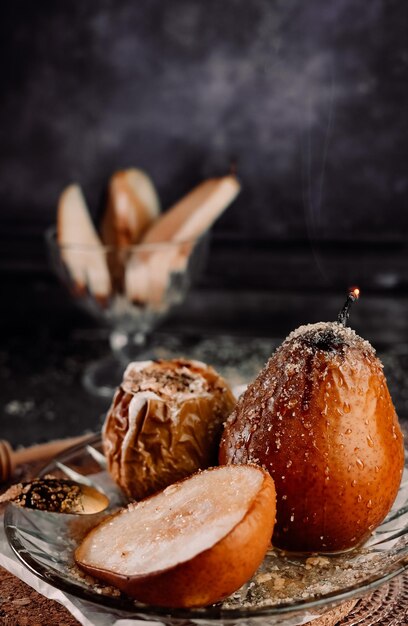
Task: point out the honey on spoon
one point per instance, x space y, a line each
55 495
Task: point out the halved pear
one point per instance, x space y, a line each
190 545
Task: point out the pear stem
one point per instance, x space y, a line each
344 313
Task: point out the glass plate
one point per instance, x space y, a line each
285 590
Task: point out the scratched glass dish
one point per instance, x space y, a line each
286 590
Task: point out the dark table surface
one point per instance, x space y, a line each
41 366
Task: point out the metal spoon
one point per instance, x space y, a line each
57 495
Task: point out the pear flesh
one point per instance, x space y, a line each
192 544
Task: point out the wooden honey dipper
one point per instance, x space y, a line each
10 459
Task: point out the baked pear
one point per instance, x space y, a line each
320 419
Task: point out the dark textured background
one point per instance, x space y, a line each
310 98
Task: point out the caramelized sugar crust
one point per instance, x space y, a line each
320 419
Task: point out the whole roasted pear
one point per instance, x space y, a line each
320 419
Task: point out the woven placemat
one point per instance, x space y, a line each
386 606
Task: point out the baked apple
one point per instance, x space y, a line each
164 424
320 419
192 544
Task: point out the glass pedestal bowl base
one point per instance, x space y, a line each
102 377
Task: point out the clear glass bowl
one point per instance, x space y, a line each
128 289
286 590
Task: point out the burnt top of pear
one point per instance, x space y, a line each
328 337
291 382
